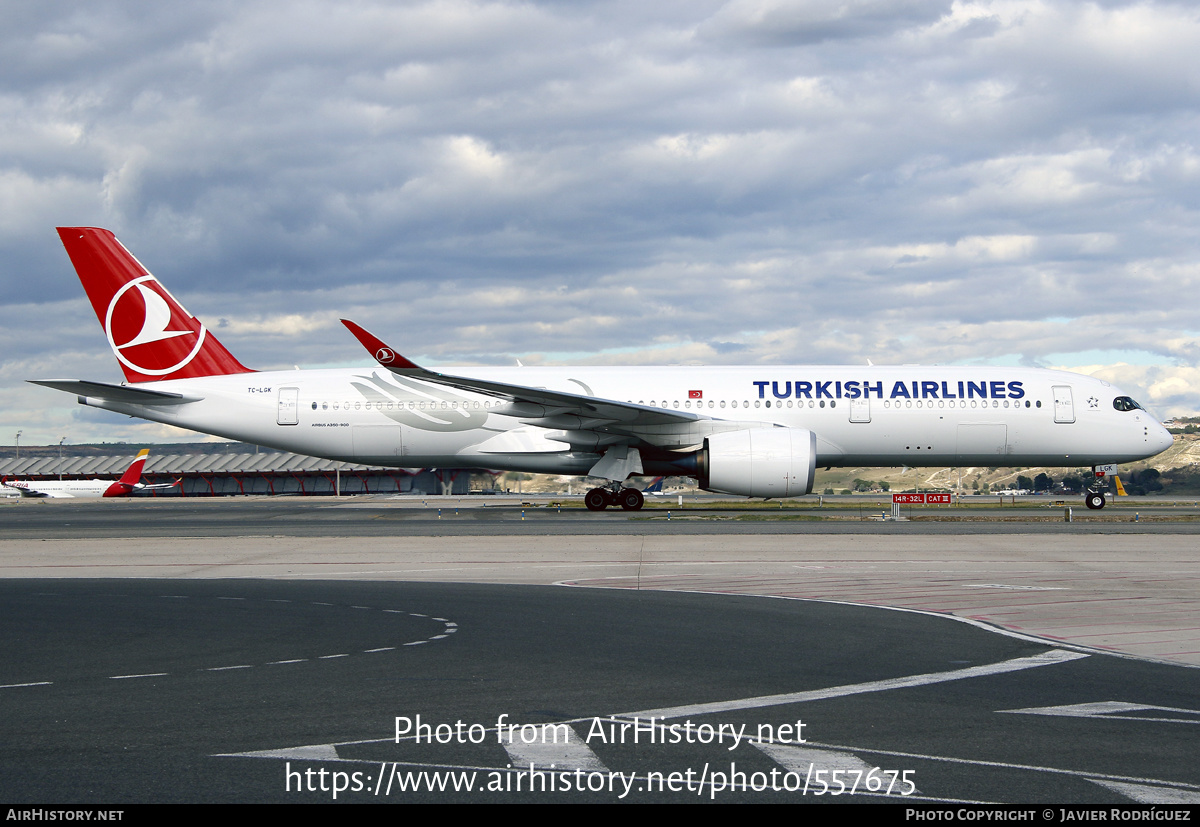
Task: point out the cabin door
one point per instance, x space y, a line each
1064 404
289 406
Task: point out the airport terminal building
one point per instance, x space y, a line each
241 470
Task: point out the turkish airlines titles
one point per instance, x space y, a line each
855 389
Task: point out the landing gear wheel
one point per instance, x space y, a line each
631 499
1094 500
596 499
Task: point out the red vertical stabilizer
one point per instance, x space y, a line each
150 333
131 477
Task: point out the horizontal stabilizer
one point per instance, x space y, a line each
115 393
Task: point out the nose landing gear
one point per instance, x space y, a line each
1094 500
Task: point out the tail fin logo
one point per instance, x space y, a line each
141 316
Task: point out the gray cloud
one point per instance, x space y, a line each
706 182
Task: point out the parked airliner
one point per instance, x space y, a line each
59 489
747 431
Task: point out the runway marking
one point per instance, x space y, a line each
1146 794
573 754
313 752
570 755
1097 777
798 759
1109 710
1051 658
1016 588
449 627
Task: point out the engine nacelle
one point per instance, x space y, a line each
763 462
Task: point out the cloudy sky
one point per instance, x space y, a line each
743 182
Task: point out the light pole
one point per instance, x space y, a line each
60 444
18 440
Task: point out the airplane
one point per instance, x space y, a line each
67 489
655 487
758 432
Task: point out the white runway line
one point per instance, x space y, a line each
571 754
1051 658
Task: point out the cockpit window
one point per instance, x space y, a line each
1125 403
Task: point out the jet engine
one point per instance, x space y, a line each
762 462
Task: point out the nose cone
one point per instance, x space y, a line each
1160 440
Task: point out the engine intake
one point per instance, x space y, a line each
762 462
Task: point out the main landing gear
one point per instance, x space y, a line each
599 499
1094 500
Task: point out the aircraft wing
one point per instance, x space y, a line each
547 408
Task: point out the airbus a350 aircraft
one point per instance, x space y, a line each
57 489
748 431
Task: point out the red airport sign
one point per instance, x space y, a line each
921 499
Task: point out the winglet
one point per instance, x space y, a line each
382 353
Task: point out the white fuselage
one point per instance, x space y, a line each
64 489
868 416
